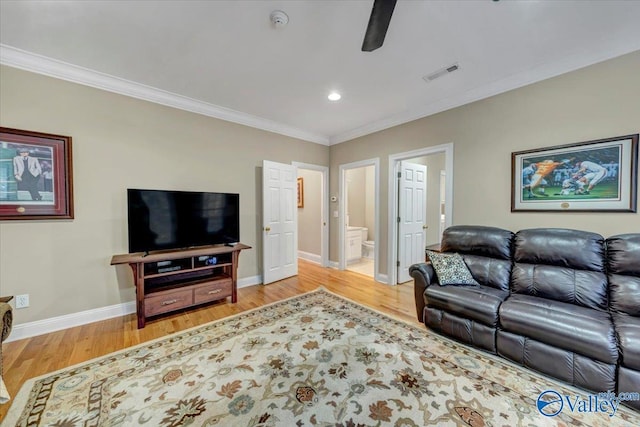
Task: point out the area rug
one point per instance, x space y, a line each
312 360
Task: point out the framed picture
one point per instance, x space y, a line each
300 193
588 176
35 175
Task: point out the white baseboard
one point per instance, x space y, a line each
317 259
249 281
39 327
382 278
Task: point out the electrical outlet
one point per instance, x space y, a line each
22 301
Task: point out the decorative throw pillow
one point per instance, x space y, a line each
451 269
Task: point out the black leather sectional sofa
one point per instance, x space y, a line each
559 301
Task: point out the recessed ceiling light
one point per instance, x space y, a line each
334 96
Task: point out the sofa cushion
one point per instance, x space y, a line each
450 269
623 266
561 247
487 252
628 329
629 382
479 303
625 294
623 254
489 271
478 240
579 287
578 329
561 264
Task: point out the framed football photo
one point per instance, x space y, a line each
588 176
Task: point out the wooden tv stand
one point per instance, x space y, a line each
173 280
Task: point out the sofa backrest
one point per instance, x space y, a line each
486 251
561 264
623 268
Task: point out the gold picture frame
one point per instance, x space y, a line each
300 193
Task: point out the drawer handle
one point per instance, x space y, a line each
215 291
169 302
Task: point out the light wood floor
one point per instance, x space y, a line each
39 355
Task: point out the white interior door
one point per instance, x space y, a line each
280 221
412 208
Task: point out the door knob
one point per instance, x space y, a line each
267 229
424 227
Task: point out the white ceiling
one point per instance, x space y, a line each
226 60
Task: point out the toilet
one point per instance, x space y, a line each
368 246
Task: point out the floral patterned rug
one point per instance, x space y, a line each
313 360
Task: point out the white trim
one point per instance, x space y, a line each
315 258
441 227
53 324
324 196
382 278
45 326
394 161
334 264
342 220
581 59
28 61
249 281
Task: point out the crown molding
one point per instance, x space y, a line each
542 72
39 64
28 61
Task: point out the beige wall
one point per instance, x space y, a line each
120 143
361 198
595 102
356 196
310 215
370 202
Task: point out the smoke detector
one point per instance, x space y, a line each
279 18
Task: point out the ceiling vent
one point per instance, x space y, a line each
441 72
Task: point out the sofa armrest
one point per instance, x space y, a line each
424 276
6 320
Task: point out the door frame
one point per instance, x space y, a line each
394 162
324 197
342 214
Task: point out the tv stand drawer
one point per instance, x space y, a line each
166 301
167 281
213 291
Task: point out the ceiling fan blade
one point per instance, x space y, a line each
378 24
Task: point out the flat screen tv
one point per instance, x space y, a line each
161 219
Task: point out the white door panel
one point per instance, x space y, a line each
412 209
280 217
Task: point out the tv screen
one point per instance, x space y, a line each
181 219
